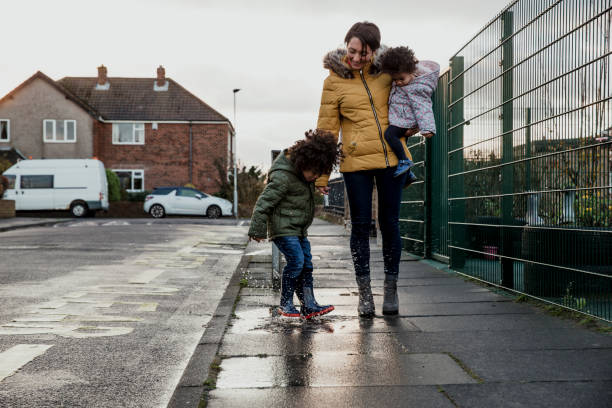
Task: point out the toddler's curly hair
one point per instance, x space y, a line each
397 60
317 152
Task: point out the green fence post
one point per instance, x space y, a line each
427 201
528 150
438 174
456 165
507 264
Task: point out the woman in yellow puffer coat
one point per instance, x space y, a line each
355 104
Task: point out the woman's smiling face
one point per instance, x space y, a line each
357 56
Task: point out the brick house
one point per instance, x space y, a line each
150 131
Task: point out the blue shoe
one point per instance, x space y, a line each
286 307
310 308
410 179
402 167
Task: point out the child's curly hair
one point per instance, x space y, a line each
397 60
318 152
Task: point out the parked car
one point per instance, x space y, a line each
185 201
77 185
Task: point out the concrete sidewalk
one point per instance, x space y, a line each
8 224
454 344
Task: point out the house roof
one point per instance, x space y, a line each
135 99
69 95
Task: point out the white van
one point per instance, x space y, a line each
77 185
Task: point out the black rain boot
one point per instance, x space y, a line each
310 308
366 306
286 307
390 302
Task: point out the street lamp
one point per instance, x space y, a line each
235 159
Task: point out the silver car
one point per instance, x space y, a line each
185 201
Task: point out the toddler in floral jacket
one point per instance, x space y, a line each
410 103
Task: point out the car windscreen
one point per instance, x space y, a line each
163 190
11 181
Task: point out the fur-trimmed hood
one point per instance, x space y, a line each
335 61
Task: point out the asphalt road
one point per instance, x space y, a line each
107 312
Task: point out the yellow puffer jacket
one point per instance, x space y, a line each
356 102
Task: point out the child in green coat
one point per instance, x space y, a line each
285 210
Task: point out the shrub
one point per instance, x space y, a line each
251 183
114 190
4 182
4 165
140 196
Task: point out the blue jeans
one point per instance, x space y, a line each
359 186
299 260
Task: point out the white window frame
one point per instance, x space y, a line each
53 139
136 126
8 130
132 190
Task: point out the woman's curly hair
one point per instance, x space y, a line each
318 152
398 60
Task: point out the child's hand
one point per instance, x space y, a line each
258 239
412 132
323 190
427 134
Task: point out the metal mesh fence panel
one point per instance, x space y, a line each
529 153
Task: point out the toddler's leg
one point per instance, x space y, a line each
290 247
392 136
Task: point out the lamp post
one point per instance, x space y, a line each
235 159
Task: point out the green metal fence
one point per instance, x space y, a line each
424 212
529 151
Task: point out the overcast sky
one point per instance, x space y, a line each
272 50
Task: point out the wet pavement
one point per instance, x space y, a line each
454 344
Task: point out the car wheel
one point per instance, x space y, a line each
213 212
157 211
79 209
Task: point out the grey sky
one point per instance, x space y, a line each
270 49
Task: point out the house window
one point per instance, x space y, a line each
130 180
5 130
59 131
128 133
37 181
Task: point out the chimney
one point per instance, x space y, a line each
161 76
102 83
160 84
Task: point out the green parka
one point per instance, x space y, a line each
286 206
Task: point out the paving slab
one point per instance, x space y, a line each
404 396
329 369
591 394
299 343
541 365
261 320
503 340
519 322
